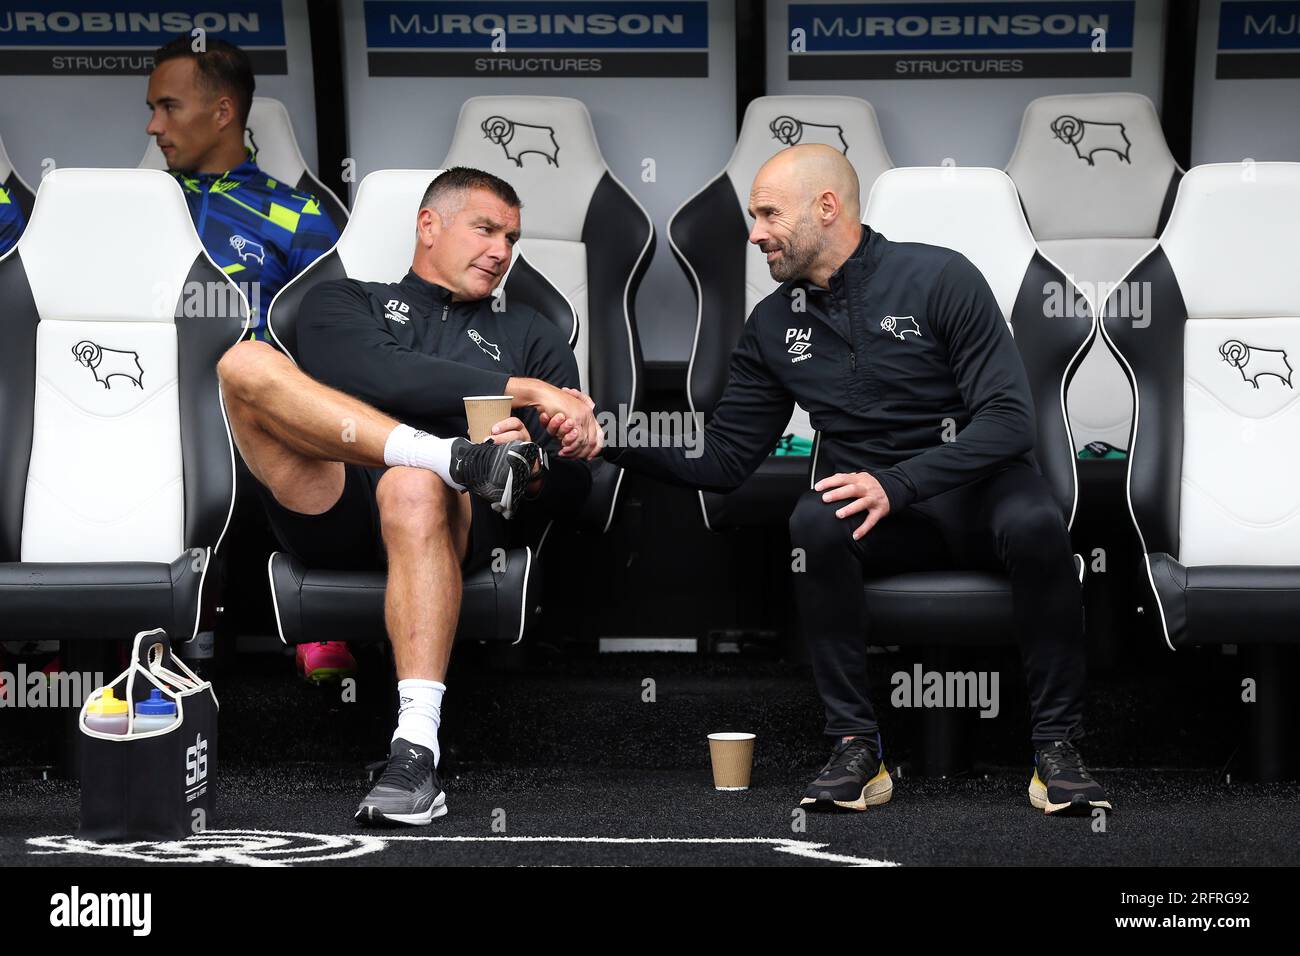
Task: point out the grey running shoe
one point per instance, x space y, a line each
497 473
407 791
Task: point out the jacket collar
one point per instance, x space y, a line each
861 262
427 294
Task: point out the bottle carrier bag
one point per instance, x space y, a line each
159 785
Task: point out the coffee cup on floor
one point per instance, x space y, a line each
733 757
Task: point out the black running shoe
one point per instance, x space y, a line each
407 792
854 778
1062 784
497 473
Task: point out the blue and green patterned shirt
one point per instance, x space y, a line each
259 231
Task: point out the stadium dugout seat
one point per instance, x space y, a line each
709 236
269 133
976 212
1212 486
1211 471
15 186
117 477
1097 182
581 228
315 604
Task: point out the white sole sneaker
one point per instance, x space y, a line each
879 790
372 816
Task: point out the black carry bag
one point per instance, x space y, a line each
159 785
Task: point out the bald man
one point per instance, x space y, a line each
890 347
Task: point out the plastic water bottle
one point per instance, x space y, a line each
107 714
156 713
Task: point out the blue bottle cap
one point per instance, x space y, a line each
156 706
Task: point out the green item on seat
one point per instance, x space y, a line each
1101 449
794 445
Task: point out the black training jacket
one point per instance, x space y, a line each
407 349
906 351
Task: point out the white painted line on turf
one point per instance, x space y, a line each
803 848
280 848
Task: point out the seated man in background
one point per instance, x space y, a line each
12 221
351 467
259 231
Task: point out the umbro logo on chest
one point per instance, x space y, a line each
397 311
802 347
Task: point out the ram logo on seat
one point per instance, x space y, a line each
520 138
1089 137
789 131
105 363
1252 362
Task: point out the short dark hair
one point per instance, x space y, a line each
222 68
450 187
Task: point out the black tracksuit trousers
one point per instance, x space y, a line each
1008 522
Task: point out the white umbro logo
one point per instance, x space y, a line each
801 349
396 311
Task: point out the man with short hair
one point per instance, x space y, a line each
392 362
259 231
894 496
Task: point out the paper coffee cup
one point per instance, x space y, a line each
484 411
732 756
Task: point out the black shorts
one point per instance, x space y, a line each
347 537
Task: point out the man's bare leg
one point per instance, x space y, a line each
426 527
293 432
426 535
284 422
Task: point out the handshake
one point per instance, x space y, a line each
566 413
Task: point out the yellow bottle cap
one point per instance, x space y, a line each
106 705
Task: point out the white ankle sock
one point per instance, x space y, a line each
406 446
419 712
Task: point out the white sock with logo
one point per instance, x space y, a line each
419 712
414 449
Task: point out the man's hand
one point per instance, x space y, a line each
570 422
512 429
867 494
578 432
